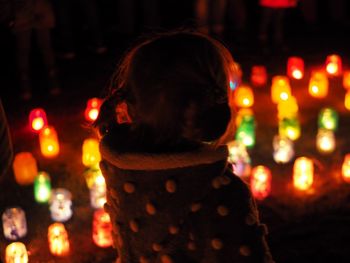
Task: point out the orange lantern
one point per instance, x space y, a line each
258 76
58 239
49 144
37 119
287 109
92 109
102 229
346 168
16 252
295 67
318 84
334 65
346 79
24 168
244 97
260 182
280 88
347 100
91 153
303 173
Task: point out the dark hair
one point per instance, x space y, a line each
175 86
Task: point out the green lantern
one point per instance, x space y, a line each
328 119
245 132
42 187
289 128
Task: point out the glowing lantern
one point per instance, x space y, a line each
61 205
98 193
14 223
25 168
91 153
91 174
49 144
347 100
283 149
243 113
260 182
245 132
288 109
289 128
295 68
58 239
346 79
328 119
37 119
258 76
303 173
318 84
334 65
244 96
280 89
42 187
239 158
325 141
16 252
92 109
102 229
346 168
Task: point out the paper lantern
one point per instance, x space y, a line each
325 141
245 132
328 119
346 168
42 187
58 240
239 158
24 168
92 109
90 175
318 84
303 173
61 205
14 223
258 76
98 193
289 128
347 100
260 182
37 119
16 252
91 154
334 65
295 67
283 149
49 144
102 229
346 79
288 109
244 96
280 88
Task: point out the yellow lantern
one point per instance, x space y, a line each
325 141
334 65
280 89
49 144
16 252
303 173
25 168
318 84
244 97
91 153
346 168
346 79
288 109
58 239
260 182
347 100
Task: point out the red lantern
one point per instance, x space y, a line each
295 68
334 65
92 109
260 182
102 229
258 76
37 119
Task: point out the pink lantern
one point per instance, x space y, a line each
37 119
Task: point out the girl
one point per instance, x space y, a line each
171 195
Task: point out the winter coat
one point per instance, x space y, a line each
278 3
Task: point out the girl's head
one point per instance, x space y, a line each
169 90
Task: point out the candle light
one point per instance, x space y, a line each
258 75
58 239
303 173
289 128
260 182
346 79
102 229
49 144
328 119
92 109
288 109
14 223
318 84
334 65
244 96
61 205
239 158
37 119
325 141
295 67
24 168
91 154
16 252
98 193
245 132
346 168
42 187
280 88
347 100
283 149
